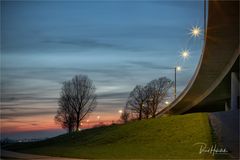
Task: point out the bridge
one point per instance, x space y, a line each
215 83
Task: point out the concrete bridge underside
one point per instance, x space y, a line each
215 84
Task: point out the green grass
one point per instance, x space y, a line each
160 138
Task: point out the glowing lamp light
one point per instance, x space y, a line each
120 111
87 120
178 68
166 102
98 117
185 54
195 31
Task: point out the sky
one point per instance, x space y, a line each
118 44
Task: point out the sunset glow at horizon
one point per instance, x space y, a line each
47 122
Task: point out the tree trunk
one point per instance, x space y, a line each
78 121
140 112
69 130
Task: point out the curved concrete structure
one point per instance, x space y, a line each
210 82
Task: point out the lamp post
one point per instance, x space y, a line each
177 68
175 82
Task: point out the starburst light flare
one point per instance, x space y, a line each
195 31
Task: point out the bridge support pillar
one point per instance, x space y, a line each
234 91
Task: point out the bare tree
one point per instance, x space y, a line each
78 95
136 101
65 116
156 91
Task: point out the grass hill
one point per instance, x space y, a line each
160 138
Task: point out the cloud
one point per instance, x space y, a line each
113 95
16 108
147 64
84 43
88 44
19 121
60 73
26 97
23 113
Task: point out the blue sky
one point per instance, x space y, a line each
118 44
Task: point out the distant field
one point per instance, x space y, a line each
161 138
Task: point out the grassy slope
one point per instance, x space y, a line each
166 137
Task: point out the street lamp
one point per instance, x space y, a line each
166 102
185 54
176 69
98 117
195 31
120 111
